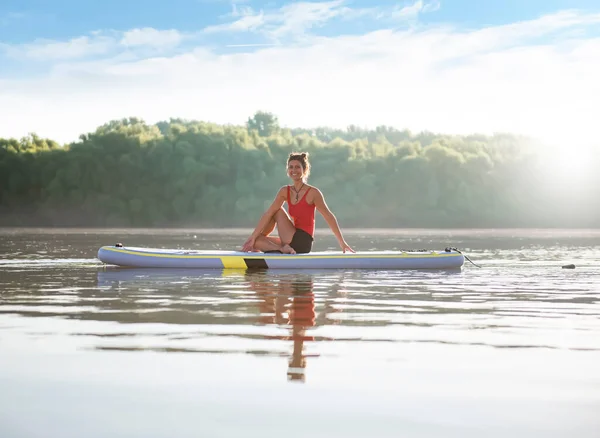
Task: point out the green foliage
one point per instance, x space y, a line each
190 173
266 124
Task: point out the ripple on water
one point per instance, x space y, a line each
460 343
471 307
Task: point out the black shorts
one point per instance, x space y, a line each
301 242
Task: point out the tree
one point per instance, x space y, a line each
129 173
264 123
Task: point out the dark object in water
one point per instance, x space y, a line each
571 266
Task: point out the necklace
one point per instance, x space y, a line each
297 191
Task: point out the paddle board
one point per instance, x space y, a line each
206 259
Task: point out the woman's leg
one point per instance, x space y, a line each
269 227
285 229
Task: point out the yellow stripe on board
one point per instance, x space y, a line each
233 262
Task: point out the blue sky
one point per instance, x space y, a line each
26 20
455 66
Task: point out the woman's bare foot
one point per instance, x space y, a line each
287 249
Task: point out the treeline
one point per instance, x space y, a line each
196 174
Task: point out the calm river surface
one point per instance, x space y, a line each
510 349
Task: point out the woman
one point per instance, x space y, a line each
296 230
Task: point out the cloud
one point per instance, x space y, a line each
151 37
248 21
431 6
240 12
49 49
291 20
296 18
409 11
95 44
533 77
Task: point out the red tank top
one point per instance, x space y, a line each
303 213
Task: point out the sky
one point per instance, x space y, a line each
448 66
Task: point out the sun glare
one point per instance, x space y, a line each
569 166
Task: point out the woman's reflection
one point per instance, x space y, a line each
285 299
288 300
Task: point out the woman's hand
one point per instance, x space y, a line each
249 244
345 247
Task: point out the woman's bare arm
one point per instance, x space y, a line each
330 218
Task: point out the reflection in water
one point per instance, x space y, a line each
289 300
245 312
280 299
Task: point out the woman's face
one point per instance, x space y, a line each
295 170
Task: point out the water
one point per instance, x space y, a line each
508 349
